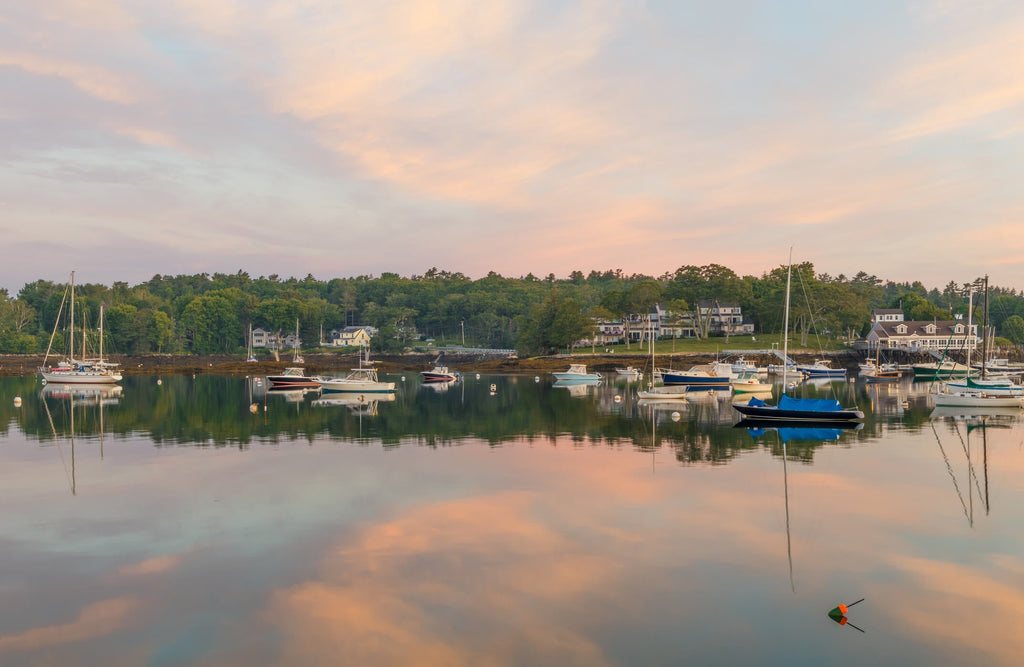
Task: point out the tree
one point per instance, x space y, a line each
1013 329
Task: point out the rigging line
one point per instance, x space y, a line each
949 469
817 337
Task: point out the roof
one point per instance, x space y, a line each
942 328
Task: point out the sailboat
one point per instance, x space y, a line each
70 370
250 355
663 393
796 409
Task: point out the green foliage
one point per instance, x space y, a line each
1013 329
211 313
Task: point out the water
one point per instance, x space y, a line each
201 521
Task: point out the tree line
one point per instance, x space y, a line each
211 314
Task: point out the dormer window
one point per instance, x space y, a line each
901 329
959 328
930 329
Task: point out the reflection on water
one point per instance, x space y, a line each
210 521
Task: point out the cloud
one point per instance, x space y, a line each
94 620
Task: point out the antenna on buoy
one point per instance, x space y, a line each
838 614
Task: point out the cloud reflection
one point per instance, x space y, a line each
95 620
477 581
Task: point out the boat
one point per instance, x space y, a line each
742 365
77 371
789 408
360 380
702 376
293 377
577 373
978 395
881 373
250 355
821 369
629 372
662 394
748 382
943 370
440 374
992 387
976 399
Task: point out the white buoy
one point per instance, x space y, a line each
17 401
618 399
477 376
675 416
494 387
159 381
254 408
536 378
403 378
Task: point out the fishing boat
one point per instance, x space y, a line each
577 373
796 409
361 380
821 369
440 374
293 377
749 382
629 373
77 371
879 373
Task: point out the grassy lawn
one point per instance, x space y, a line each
718 344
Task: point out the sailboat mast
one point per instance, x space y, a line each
71 328
970 312
984 339
785 324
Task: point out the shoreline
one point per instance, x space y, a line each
18 365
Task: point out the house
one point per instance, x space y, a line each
353 336
263 338
724 319
891 332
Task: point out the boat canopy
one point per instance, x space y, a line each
802 404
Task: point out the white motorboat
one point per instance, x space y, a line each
577 373
361 380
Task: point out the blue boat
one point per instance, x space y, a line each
697 378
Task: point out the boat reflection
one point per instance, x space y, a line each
107 394
576 388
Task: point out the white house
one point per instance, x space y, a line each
891 332
355 336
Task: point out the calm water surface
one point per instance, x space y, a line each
201 521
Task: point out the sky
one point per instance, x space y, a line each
337 139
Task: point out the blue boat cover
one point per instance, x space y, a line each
809 404
756 402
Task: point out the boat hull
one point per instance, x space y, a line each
342 386
695 381
80 377
772 413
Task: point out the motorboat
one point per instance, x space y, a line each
440 374
577 373
360 380
821 369
292 377
749 382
